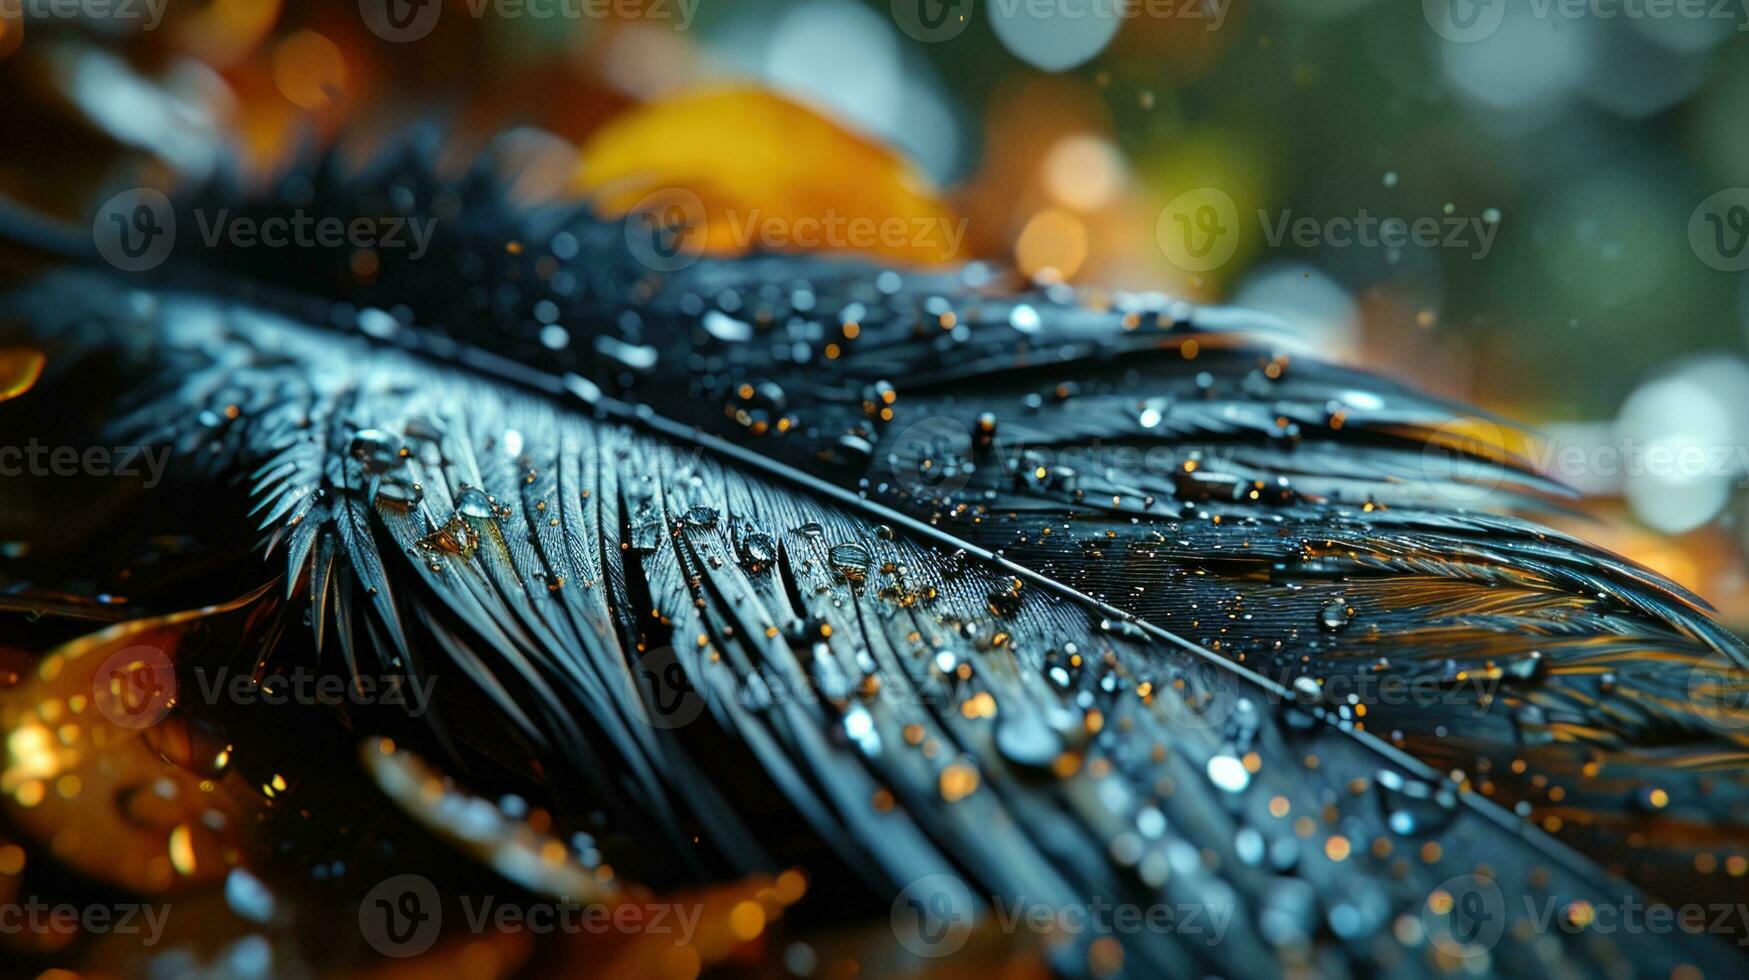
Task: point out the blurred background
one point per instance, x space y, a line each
1581 166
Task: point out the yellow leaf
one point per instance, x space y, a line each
756 172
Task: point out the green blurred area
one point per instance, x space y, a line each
1592 282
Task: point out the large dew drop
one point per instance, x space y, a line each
1413 807
376 451
473 504
1335 616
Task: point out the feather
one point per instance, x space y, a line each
974 596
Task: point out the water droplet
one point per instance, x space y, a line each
859 725
850 560
1004 604
1228 773
1248 844
1024 739
637 357
727 328
757 549
701 517
1335 616
1524 668
399 494
473 503
984 431
377 451
1414 806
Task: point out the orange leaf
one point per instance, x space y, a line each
753 171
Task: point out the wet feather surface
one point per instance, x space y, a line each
969 598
